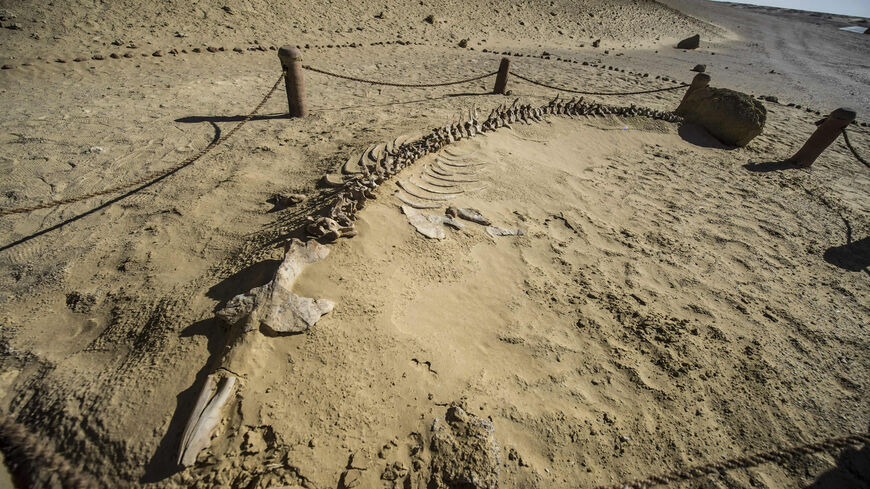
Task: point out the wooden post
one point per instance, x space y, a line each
291 63
502 77
823 136
701 80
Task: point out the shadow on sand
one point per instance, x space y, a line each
853 256
852 471
770 166
697 135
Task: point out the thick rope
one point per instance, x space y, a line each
152 176
27 456
779 456
403 85
582 92
852 149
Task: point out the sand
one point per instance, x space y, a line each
665 305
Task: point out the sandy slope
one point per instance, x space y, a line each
703 308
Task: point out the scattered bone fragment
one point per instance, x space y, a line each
448 221
423 225
497 231
468 214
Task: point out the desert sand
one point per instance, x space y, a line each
671 301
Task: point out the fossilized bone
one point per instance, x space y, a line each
407 187
416 205
468 214
379 162
271 309
497 231
422 224
433 189
456 164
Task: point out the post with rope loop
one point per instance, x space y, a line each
502 76
291 63
701 80
829 129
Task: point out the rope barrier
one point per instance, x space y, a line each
153 176
852 149
24 453
581 92
403 85
779 456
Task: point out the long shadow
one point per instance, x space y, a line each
852 471
853 256
217 135
229 118
164 461
770 166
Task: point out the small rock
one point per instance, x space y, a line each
6 15
179 34
128 55
464 452
690 42
211 49
239 50
7 67
312 443
430 19
463 43
228 9
700 68
114 56
94 150
157 54
596 43
770 98
97 57
15 26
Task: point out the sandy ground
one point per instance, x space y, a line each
666 305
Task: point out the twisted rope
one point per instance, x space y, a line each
779 456
403 85
852 149
28 455
152 176
582 92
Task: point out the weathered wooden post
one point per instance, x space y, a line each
824 135
502 77
701 80
291 63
